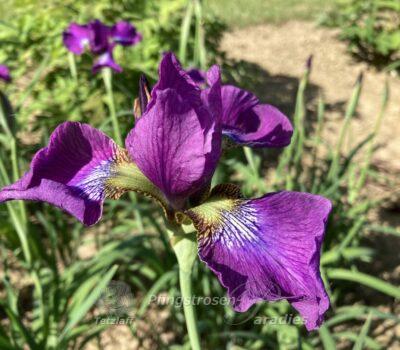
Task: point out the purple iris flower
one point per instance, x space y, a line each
260 249
101 40
5 73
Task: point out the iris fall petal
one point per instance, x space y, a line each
266 248
78 169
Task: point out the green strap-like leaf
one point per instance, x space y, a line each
367 280
80 310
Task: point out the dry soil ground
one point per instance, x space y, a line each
281 51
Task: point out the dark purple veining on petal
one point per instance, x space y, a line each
177 141
70 173
267 249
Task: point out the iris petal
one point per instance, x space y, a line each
125 34
170 146
177 143
247 122
78 169
212 96
260 126
172 76
234 102
266 249
76 37
197 75
106 59
99 37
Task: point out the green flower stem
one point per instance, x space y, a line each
200 52
72 66
107 77
292 154
185 246
188 309
74 74
185 32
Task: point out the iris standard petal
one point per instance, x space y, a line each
76 37
78 169
172 76
212 97
266 249
100 37
125 34
177 141
172 148
248 122
104 60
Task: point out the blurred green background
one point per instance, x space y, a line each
54 271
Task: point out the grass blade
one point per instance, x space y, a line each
363 335
366 280
80 311
326 338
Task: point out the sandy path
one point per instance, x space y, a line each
282 51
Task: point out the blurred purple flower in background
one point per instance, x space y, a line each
101 40
5 73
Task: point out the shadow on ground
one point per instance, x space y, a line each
278 90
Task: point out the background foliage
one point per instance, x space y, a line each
372 28
54 270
